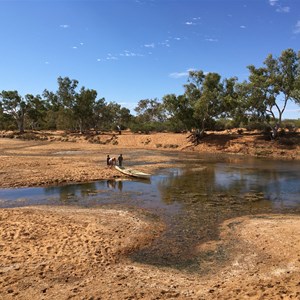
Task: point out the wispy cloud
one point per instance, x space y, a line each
297 28
283 9
127 53
123 54
273 2
177 75
193 21
211 40
64 26
165 43
189 23
243 27
111 57
152 45
279 8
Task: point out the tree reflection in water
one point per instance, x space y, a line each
215 191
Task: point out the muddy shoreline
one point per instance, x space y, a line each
79 253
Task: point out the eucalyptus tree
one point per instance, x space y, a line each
150 110
99 114
66 92
83 108
37 111
234 103
15 106
179 112
205 93
123 117
116 116
53 109
273 86
68 108
3 118
62 102
66 95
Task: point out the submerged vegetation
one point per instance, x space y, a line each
208 103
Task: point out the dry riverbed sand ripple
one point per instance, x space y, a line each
76 253
79 253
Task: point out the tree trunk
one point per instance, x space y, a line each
21 126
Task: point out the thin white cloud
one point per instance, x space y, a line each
211 40
273 2
285 9
177 38
74 47
165 43
111 57
177 75
64 26
123 54
243 26
152 45
279 8
297 28
127 53
193 22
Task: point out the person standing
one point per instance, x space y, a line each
107 160
119 129
120 160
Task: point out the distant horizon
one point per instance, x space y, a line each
129 50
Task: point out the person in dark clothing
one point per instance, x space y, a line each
120 160
107 160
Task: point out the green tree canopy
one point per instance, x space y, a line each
271 87
15 106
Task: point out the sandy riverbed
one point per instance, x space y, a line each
68 253
76 253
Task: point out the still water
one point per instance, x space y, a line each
192 199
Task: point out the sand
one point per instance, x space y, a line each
80 253
69 253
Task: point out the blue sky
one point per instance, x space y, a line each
130 50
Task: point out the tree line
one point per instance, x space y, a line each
208 103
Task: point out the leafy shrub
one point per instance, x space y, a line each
223 124
257 126
288 141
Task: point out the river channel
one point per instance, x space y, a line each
192 199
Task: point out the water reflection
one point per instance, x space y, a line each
192 200
212 192
115 184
